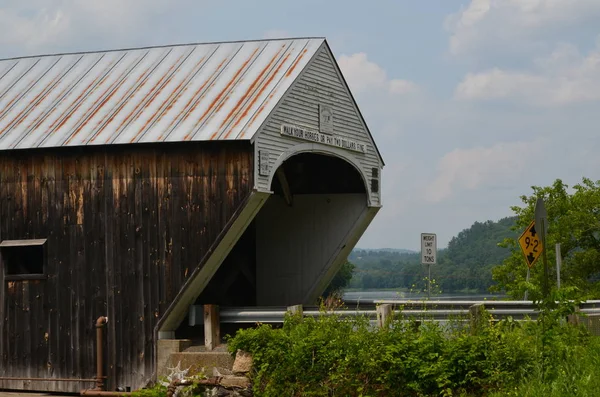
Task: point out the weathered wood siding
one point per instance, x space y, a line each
125 226
319 83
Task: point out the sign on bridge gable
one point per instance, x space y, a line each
428 248
304 134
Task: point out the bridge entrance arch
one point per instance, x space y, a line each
295 242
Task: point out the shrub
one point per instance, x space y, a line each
156 390
332 355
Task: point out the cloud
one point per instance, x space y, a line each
402 87
565 77
35 26
445 165
475 168
40 27
510 25
363 75
496 83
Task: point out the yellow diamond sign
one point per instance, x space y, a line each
531 244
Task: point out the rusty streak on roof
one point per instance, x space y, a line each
196 92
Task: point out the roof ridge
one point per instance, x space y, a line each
161 46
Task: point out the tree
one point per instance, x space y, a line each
574 222
341 279
472 254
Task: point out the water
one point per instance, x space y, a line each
390 295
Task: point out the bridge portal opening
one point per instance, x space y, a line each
290 251
302 227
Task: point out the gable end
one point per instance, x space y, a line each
319 101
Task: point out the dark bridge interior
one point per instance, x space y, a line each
310 173
313 194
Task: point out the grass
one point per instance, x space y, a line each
575 374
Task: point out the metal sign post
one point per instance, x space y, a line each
527 279
428 256
558 264
429 281
531 246
541 219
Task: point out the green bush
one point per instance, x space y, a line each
333 355
156 390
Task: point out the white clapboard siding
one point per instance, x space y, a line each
319 83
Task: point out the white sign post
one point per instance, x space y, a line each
428 256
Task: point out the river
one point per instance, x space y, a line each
389 295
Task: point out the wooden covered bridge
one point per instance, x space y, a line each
137 183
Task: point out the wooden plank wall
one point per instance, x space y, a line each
125 228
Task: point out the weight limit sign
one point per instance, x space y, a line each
428 249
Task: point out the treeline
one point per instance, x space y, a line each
466 265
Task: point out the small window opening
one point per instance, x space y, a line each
23 259
375 185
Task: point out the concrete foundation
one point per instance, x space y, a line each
164 349
202 363
195 358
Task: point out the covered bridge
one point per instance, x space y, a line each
136 183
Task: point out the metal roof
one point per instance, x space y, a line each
197 92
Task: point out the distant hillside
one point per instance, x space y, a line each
465 265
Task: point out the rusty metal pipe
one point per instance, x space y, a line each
47 379
102 393
100 324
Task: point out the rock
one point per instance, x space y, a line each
245 393
235 381
220 391
242 363
223 392
218 372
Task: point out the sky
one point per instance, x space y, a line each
470 102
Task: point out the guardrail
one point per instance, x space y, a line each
435 310
379 311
